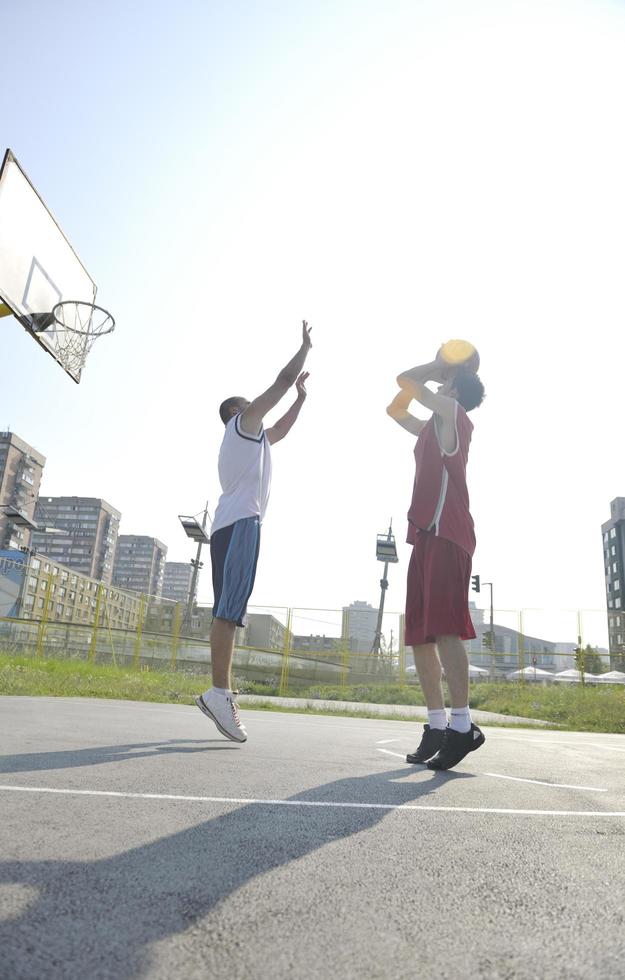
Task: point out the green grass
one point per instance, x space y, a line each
572 707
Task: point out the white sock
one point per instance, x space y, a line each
460 719
437 718
224 691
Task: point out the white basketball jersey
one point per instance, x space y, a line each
244 474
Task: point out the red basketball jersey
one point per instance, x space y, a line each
440 498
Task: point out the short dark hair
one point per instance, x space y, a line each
469 390
224 409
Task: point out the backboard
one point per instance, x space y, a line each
38 266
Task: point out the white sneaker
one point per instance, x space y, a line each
223 710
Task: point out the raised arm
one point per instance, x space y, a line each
284 425
252 417
414 380
398 410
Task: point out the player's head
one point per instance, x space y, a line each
466 387
231 407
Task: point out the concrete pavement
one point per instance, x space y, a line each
136 842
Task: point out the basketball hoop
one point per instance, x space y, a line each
73 327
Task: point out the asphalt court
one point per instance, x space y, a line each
136 841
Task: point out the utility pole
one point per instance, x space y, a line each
492 633
197 563
387 552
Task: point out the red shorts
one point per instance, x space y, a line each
437 597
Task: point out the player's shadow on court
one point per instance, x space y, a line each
96 918
101 754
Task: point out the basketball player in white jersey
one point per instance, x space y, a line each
245 477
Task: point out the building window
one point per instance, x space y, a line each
613 550
613 532
35 564
614 567
617 603
617 584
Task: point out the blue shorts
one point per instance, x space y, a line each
234 556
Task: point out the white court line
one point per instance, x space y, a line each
312 803
578 744
400 755
385 741
539 782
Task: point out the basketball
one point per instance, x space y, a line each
460 353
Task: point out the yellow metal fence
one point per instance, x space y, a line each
296 647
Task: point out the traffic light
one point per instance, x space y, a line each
475 580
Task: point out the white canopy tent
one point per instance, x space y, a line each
612 677
573 676
530 674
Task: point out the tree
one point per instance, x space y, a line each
588 660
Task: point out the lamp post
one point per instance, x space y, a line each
386 551
197 532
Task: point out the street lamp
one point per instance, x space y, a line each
197 532
19 518
385 551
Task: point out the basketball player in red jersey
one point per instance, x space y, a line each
440 529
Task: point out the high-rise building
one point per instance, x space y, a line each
139 563
360 621
177 580
21 467
85 537
613 532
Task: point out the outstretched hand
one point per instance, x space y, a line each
306 341
300 384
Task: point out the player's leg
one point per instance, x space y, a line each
426 659
451 575
234 556
453 657
430 673
222 652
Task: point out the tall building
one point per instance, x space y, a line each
86 534
139 564
21 467
360 620
177 580
613 532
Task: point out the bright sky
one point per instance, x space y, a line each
398 174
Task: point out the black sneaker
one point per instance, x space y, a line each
455 746
430 744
